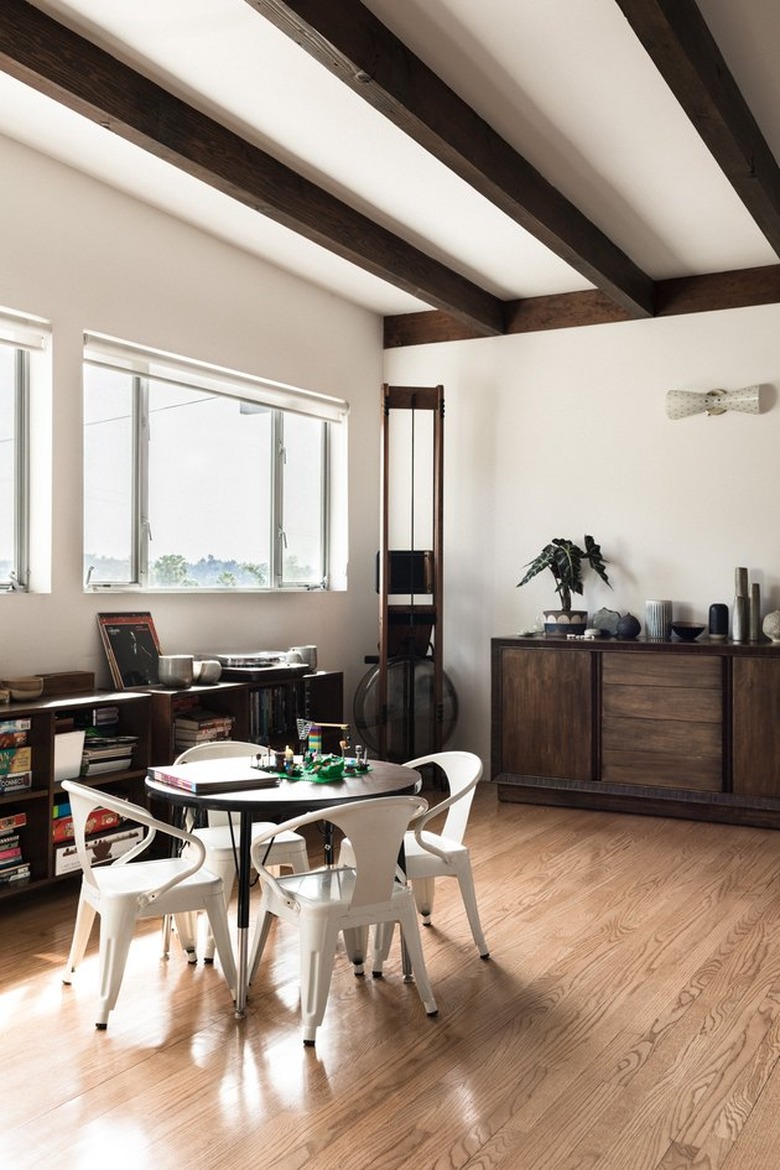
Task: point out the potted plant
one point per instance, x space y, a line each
566 561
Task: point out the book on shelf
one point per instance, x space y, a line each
15 782
107 764
14 725
132 648
187 739
9 840
15 873
10 739
15 759
98 821
101 848
10 857
198 719
204 776
13 821
92 719
107 753
101 767
96 746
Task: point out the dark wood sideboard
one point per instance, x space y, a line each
665 728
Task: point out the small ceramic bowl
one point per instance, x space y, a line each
25 687
687 631
175 670
206 671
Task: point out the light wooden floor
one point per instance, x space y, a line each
628 1019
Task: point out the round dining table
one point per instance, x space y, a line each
279 802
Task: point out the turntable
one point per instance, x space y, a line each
260 666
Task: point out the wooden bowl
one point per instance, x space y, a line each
25 687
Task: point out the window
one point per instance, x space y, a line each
20 337
202 478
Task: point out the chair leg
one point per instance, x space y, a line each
117 923
468 894
383 940
423 895
187 930
411 937
85 917
258 942
317 952
227 871
356 946
166 936
220 937
299 860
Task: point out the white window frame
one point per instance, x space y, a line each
146 365
27 337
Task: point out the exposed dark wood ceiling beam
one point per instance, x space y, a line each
686 294
68 68
684 51
349 40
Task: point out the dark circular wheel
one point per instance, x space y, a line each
411 709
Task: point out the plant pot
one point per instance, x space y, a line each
565 621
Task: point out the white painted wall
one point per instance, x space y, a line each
87 257
563 433
551 434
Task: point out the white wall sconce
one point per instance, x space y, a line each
684 403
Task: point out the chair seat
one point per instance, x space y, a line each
420 863
325 890
129 881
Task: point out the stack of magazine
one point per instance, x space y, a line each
107 753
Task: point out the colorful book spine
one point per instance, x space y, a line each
15 873
13 760
14 725
98 821
13 739
15 782
13 821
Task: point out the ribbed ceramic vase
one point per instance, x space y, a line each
658 621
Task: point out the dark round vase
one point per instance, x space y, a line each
628 627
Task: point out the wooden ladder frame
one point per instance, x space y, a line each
428 398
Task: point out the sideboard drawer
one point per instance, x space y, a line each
662 721
659 670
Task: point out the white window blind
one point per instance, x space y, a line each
114 354
22 332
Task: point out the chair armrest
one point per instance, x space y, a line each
428 846
265 874
134 812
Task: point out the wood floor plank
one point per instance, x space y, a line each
627 1020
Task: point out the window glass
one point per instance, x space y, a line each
303 499
210 469
14 467
7 464
109 479
189 487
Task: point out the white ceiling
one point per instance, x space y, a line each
565 82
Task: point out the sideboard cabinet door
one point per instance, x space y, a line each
756 726
546 713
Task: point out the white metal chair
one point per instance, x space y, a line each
220 837
430 855
122 893
344 899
